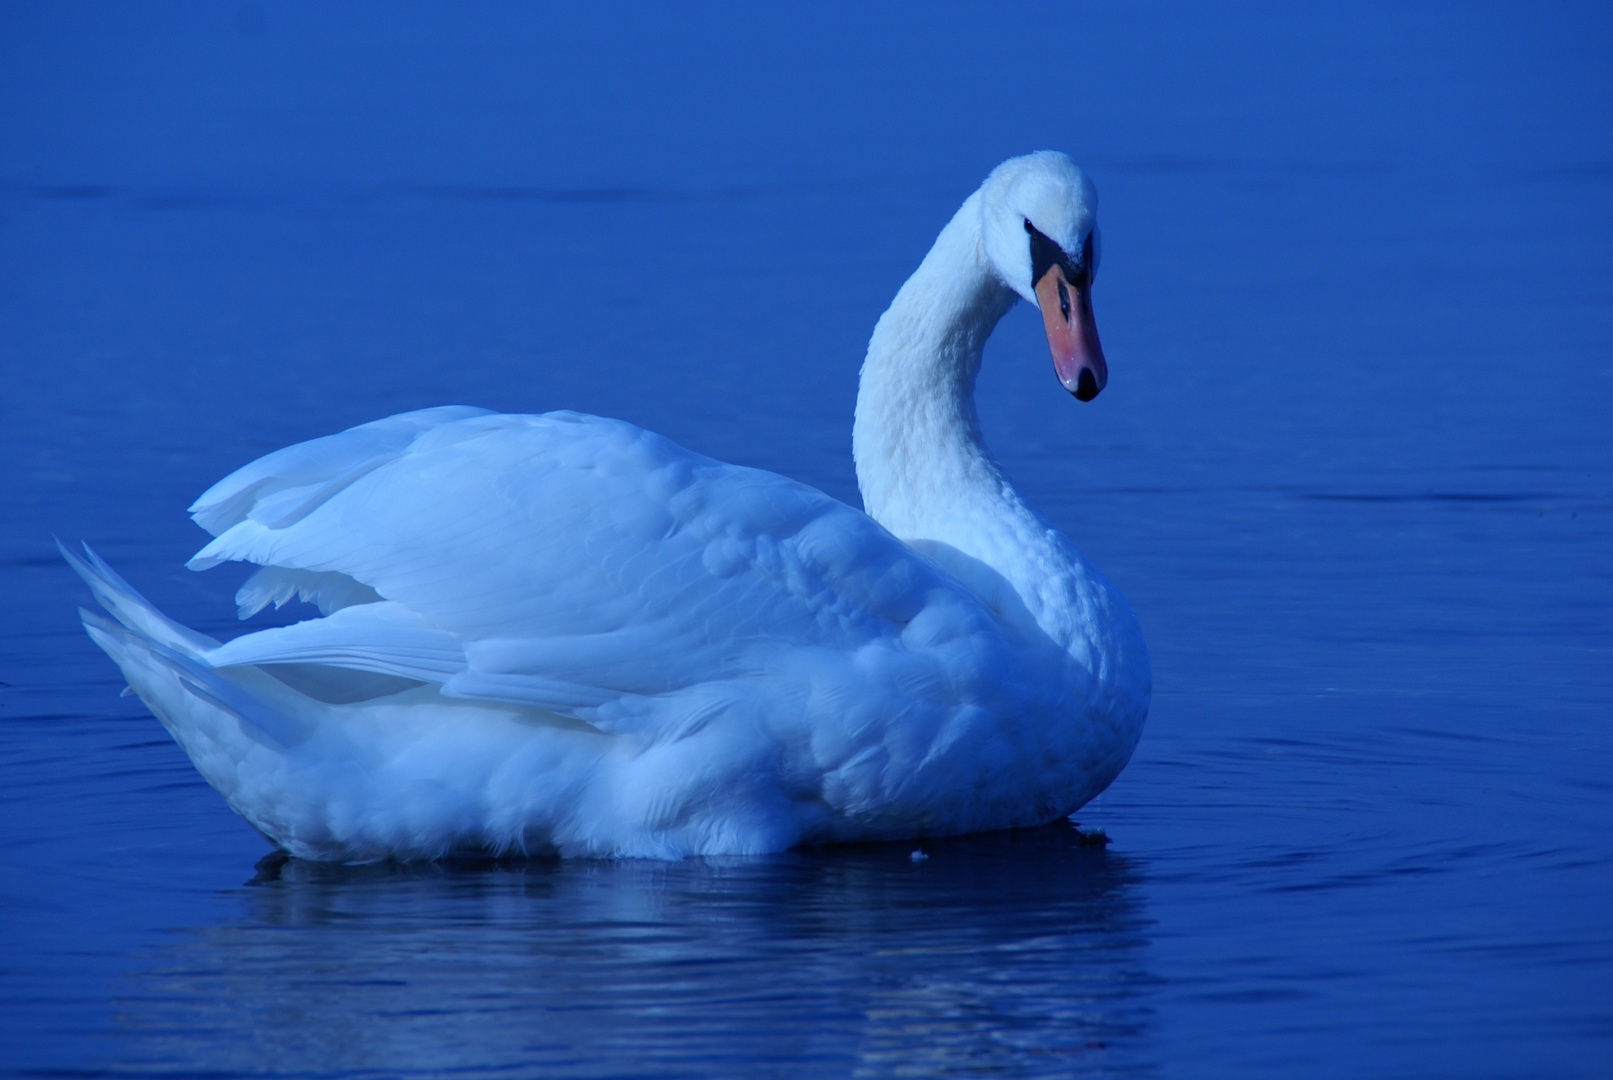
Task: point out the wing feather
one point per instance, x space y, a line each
280 487
384 638
581 565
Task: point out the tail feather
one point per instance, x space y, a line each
130 608
142 630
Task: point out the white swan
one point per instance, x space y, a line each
563 633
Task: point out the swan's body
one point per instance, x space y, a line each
564 633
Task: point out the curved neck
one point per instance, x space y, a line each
916 434
924 471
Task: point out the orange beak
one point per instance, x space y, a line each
1072 333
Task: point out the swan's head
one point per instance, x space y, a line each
1039 228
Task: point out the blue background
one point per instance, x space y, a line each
1354 470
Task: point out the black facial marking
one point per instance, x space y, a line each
1045 254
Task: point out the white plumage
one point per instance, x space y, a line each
564 633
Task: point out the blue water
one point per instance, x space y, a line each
1354 470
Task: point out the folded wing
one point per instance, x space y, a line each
564 561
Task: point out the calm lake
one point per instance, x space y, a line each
1353 470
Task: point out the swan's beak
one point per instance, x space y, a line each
1072 333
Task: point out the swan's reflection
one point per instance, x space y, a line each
1017 953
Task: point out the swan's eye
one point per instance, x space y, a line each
1081 276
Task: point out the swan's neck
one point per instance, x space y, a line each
924 471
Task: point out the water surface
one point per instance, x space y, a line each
1353 470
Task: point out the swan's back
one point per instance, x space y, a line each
566 543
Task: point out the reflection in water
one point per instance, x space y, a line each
1010 954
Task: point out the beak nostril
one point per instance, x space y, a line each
1086 387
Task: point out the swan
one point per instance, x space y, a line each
563 634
